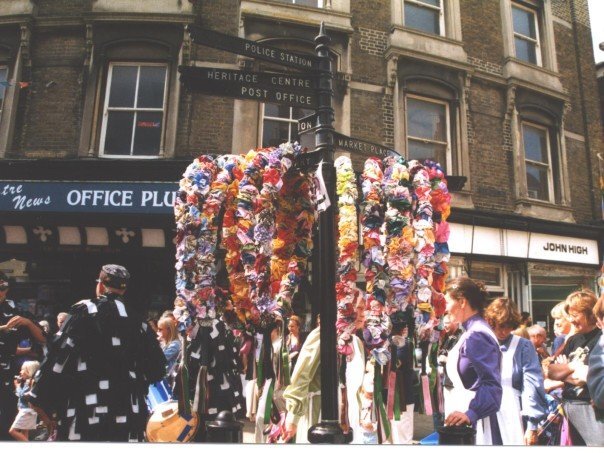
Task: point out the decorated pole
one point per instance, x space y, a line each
328 430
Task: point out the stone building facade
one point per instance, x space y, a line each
501 92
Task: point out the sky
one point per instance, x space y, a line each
596 16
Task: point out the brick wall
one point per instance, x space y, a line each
50 121
373 42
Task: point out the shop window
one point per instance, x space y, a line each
491 274
134 110
537 158
3 85
424 15
279 123
526 33
428 130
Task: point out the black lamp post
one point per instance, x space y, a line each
328 430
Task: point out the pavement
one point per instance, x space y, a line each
422 427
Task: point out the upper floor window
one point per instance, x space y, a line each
424 15
3 85
538 162
526 33
428 130
280 124
134 110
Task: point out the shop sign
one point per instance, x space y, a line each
252 49
278 88
358 146
477 240
92 197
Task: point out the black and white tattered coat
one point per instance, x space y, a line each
97 373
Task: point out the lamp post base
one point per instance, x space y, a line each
328 432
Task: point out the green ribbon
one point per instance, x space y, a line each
285 363
379 402
259 368
397 404
269 403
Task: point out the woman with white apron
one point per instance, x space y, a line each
521 377
474 364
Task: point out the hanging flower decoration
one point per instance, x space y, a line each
197 206
400 239
441 205
238 288
346 291
292 246
279 161
377 324
424 236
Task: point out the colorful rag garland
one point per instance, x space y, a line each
197 205
348 238
377 324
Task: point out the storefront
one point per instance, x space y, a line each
56 232
536 263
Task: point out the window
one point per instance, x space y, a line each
279 124
537 156
424 15
133 115
428 135
3 85
526 34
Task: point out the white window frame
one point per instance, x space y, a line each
550 179
4 88
106 110
501 268
441 15
536 41
292 122
448 155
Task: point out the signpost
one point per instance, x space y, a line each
310 89
280 88
359 146
252 49
307 124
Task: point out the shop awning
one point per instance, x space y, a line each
87 236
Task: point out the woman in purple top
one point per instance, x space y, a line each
473 365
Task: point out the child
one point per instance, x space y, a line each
27 417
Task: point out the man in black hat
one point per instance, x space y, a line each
15 325
98 370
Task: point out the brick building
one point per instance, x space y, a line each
501 92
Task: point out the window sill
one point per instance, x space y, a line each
336 18
120 157
544 210
15 10
534 76
142 11
416 44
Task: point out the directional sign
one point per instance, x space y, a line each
307 124
252 49
279 88
356 145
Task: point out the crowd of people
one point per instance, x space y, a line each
483 365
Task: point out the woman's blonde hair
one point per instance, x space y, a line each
31 367
168 324
559 310
584 302
502 312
